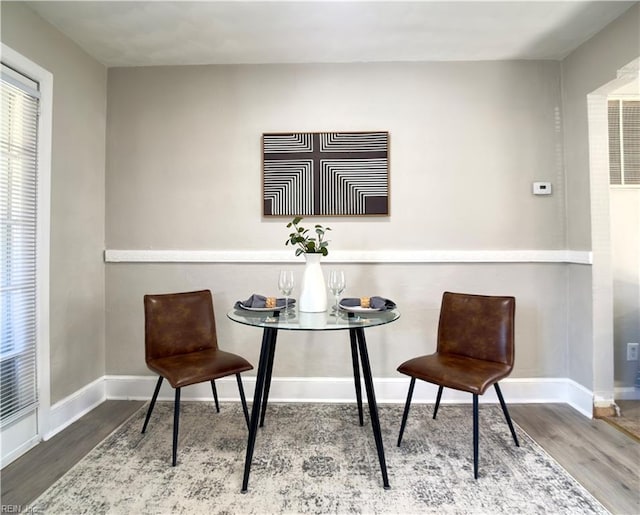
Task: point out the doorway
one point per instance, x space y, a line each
605 357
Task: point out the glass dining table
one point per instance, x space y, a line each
271 322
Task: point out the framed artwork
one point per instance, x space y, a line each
325 173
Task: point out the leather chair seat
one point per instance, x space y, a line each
196 367
457 372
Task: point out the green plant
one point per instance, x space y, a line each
305 243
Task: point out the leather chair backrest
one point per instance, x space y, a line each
178 323
477 326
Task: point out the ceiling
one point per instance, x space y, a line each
229 32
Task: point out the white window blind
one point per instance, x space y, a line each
624 142
18 210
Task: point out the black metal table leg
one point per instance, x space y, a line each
268 339
373 407
267 381
356 373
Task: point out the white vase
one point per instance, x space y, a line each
313 298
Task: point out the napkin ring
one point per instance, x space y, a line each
365 302
270 302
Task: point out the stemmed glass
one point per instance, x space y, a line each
285 285
337 284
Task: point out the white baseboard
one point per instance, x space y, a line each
341 389
627 393
71 408
313 389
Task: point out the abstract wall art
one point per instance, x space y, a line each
325 173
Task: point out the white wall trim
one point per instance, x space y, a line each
627 393
71 408
365 256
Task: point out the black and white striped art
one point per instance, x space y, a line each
326 173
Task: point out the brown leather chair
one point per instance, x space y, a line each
181 345
474 351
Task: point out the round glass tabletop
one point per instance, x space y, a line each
294 320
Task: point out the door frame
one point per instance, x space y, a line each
602 269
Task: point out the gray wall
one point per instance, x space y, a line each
540 313
590 66
183 172
467 141
77 343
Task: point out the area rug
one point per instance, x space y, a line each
316 458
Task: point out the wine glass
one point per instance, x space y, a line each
337 284
285 285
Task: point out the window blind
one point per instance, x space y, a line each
631 141
18 216
624 142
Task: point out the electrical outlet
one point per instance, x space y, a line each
632 352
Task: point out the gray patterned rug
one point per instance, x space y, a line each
315 458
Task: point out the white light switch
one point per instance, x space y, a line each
542 188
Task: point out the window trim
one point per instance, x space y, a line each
45 132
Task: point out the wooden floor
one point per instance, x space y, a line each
22 481
604 460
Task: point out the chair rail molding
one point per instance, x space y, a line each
582 257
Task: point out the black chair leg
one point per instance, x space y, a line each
243 399
506 414
215 395
438 397
406 409
176 418
152 404
475 436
